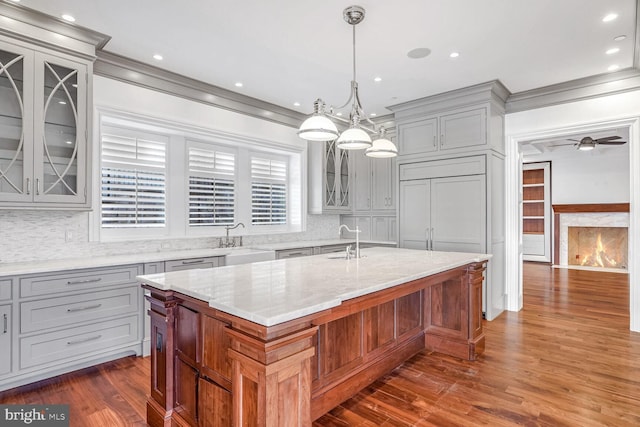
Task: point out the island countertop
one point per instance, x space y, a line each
273 292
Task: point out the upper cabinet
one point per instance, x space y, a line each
329 178
459 122
45 83
43 145
373 183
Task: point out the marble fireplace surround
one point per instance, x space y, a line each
583 215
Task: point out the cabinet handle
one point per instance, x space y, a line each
86 307
442 140
368 202
83 340
28 185
427 238
158 342
433 235
435 144
37 186
197 261
6 323
81 282
290 254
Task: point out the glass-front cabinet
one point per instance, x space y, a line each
336 184
43 138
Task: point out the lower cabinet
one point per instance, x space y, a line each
5 339
68 320
293 253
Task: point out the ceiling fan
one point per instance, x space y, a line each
588 143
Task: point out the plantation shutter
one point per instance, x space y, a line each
211 187
268 191
133 180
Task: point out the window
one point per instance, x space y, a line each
268 191
211 187
132 180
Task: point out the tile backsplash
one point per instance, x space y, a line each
43 235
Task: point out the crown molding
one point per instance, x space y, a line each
144 75
575 90
36 27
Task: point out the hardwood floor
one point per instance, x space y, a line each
567 359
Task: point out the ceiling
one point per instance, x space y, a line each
566 145
288 51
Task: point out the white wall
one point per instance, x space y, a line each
598 114
596 176
37 235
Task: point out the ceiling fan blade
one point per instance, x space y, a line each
611 142
607 138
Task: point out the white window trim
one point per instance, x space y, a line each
180 133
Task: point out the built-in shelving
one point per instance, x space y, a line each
536 214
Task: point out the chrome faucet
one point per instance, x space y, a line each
357 231
227 243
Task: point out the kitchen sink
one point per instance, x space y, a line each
238 256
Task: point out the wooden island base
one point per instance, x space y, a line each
210 368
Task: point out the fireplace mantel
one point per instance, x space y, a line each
579 208
590 207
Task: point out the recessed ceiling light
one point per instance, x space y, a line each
377 79
16 1
454 54
339 113
68 18
239 84
610 17
612 50
420 52
158 57
373 114
619 38
69 142
613 67
296 104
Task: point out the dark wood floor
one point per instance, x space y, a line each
567 359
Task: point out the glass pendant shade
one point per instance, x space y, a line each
318 128
354 139
586 147
382 148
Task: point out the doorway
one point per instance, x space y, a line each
513 242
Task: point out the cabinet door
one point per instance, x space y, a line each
16 123
330 176
5 339
380 229
362 182
344 184
414 214
60 130
458 214
383 188
463 129
417 137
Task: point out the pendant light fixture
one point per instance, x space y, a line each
320 127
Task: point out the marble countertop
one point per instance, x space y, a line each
277 291
313 244
31 267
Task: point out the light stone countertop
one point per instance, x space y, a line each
34 267
277 291
31 267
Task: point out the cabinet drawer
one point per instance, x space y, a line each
77 280
336 248
5 289
294 253
190 264
77 341
54 312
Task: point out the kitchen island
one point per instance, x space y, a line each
279 343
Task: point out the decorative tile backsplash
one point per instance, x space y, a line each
42 235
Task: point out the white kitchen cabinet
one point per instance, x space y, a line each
5 339
383 184
361 181
67 320
329 178
383 229
447 131
294 253
43 129
193 263
444 214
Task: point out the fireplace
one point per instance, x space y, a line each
593 236
605 247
